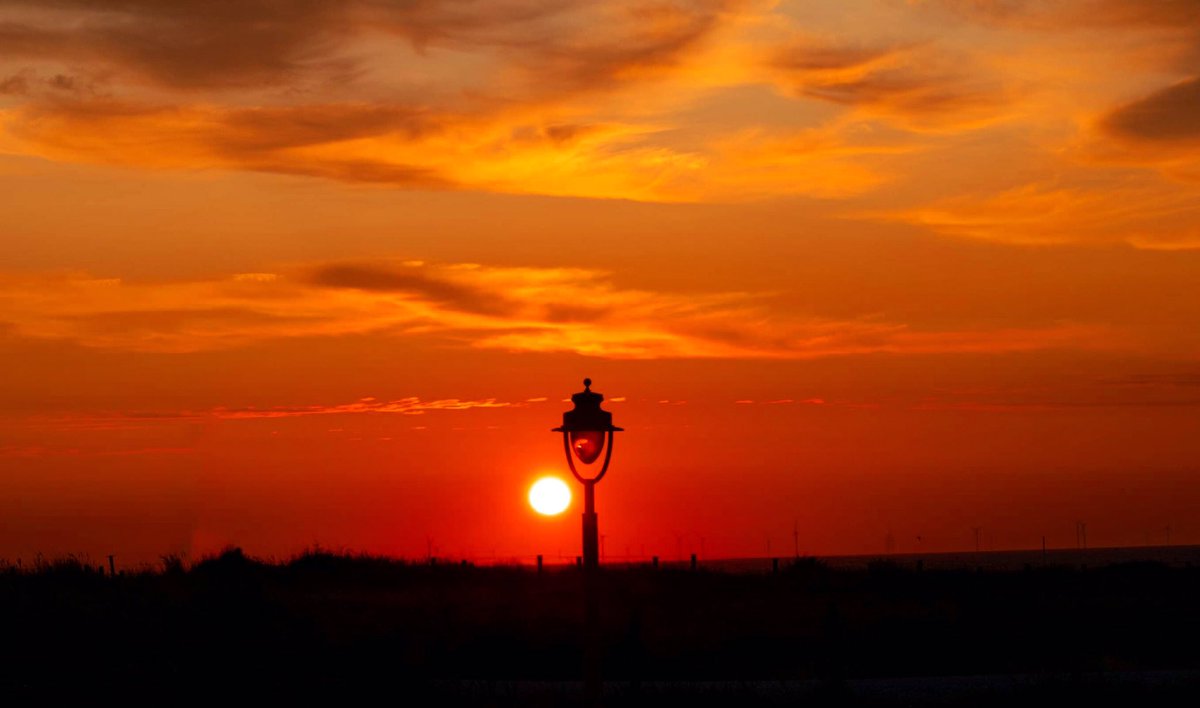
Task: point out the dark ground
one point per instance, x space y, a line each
326 628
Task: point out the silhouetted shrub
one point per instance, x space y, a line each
172 563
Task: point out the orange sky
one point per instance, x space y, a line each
285 273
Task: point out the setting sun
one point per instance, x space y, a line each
549 496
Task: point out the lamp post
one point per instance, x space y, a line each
587 433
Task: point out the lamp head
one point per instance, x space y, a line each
587 424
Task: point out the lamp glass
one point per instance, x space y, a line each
587 445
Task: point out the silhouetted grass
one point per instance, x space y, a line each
341 626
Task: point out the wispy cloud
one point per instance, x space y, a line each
1169 115
404 406
919 85
508 308
1138 211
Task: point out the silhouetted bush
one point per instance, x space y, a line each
172 563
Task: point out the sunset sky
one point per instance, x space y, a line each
279 273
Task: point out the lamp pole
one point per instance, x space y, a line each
591 527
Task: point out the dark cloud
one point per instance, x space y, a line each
1174 23
1167 380
562 313
467 22
262 129
905 92
1168 115
15 85
200 44
168 321
26 83
565 133
654 36
916 83
414 282
184 43
424 284
356 171
827 58
246 138
1066 14
579 44
558 134
63 82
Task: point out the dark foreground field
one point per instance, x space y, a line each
327 628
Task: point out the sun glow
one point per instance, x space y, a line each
549 496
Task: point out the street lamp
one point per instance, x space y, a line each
587 432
